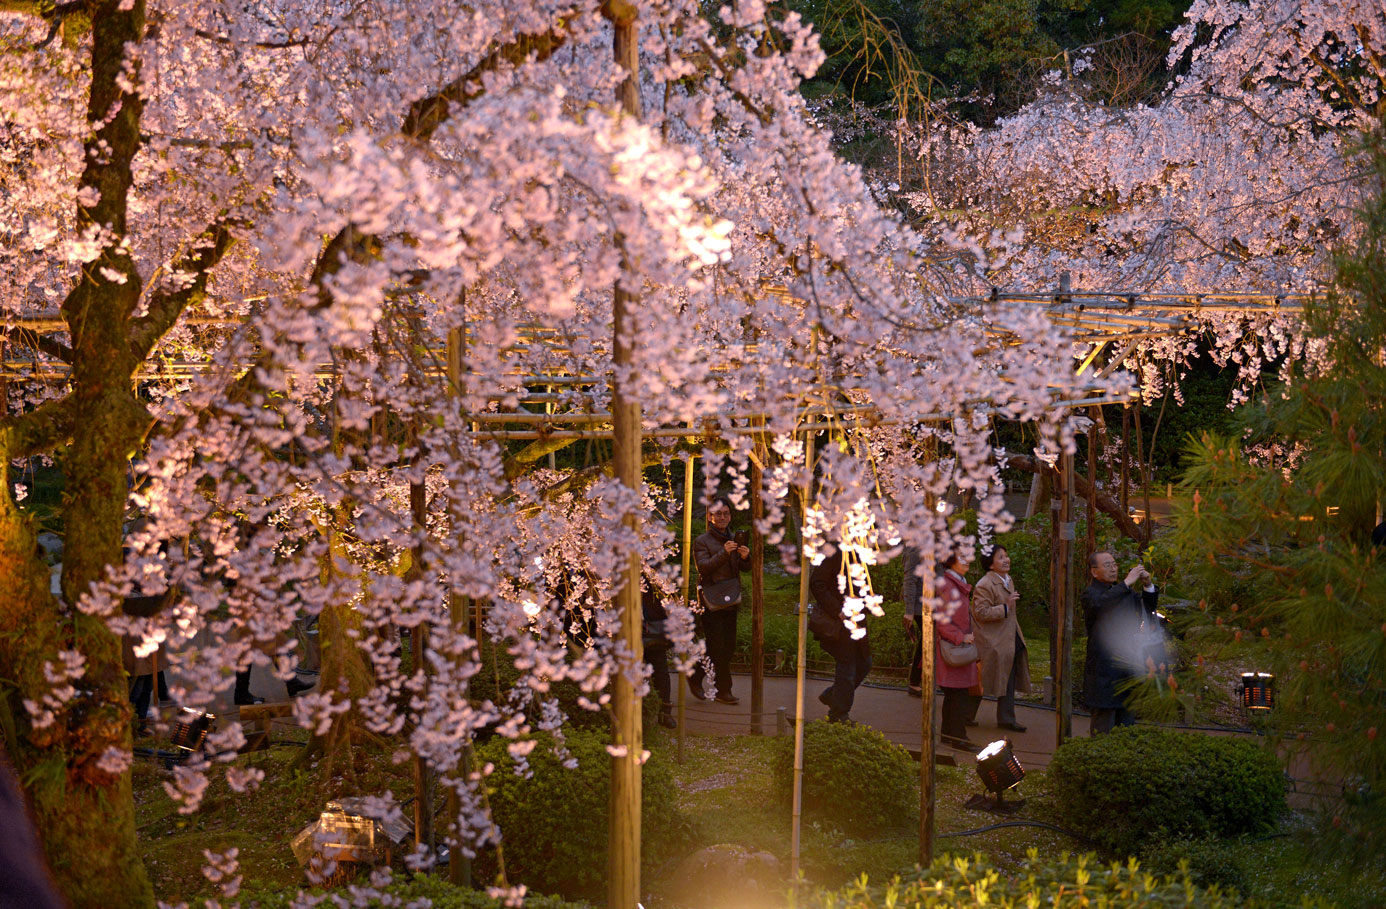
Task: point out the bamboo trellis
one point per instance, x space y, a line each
1096 318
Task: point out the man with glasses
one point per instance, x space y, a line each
720 561
1115 615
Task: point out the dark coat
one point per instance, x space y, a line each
911 585
714 562
828 598
1115 616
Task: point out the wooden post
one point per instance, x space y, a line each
757 599
687 582
1063 664
623 865
459 866
423 775
798 801
1125 456
928 739
1144 468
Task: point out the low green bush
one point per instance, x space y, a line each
407 891
1067 881
554 822
1139 785
1209 861
855 778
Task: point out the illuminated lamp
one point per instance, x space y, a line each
1258 691
999 770
190 732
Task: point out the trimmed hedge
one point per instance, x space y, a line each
1138 785
854 777
1069 881
554 823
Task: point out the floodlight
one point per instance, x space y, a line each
999 770
190 732
1258 691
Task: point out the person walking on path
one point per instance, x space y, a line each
720 562
1115 615
851 657
1002 658
653 615
912 592
953 631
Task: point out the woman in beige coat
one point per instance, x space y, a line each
1004 661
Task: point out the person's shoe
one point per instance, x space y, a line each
246 699
970 722
960 744
915 691
297 687
727 698
667 720
697 691
824 697
1013 727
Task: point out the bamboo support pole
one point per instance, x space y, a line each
623 868
928 734
757 597
687 585
796 814
1063 683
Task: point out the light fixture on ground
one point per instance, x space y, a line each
190 732
999 770
1258 691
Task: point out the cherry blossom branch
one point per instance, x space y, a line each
42 429
427 114
205 251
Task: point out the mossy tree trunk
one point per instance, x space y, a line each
85 813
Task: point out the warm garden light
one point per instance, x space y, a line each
1258 691
190 732
998 767
999 770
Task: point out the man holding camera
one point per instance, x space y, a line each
720 560
1115 615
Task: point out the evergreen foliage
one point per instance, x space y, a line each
1139 785
1284 514
854 778
1067 881
554 819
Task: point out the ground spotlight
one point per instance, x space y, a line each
999 770
1258 691
190 732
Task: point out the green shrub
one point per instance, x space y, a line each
554 823
1138 785
1069 881
1208 861
854 777
408 890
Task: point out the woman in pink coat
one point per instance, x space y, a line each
953 623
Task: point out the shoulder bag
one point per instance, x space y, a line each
722 594
957 654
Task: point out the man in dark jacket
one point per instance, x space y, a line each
719 561
851 658
1115 615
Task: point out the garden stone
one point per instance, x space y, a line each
728 875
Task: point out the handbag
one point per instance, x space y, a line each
957 654
824 625
722 594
